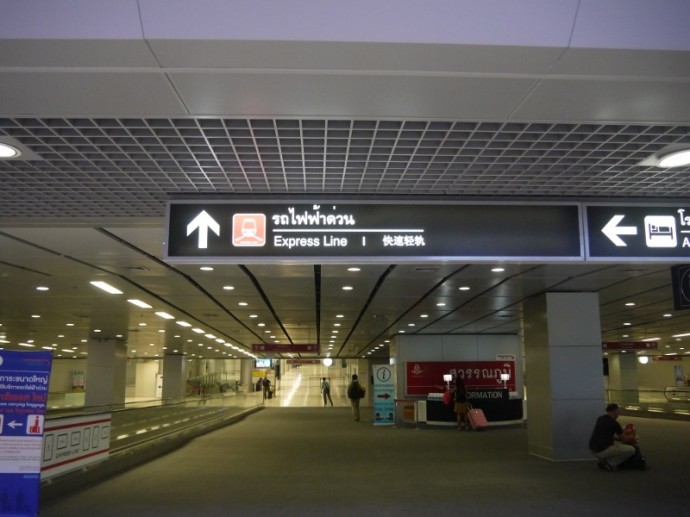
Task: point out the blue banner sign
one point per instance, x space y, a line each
24 380
384 396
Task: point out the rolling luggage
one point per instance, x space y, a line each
477 419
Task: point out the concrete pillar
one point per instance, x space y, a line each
246 367
106 373
623 383
564 373
174 376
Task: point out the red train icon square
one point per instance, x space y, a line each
34 424
248 230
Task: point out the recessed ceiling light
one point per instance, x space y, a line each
339 315
353 269
198 330
228 287
423 315
242 304
165 315
106 287
69 324
261 324
347 288
498 270
7 151
253 315
183 323
206 268
667 315
627 324
42 288
97 330
440 304
630 304
36 316
142 324
139 303
410 324
464 288
677 158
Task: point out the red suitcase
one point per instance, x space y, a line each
477 419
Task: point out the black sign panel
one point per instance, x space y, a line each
639 232
230 232
680 279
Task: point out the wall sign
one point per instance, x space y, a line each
427 377
24 378
232 232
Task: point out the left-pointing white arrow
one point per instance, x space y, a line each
612 230
203 222
14 424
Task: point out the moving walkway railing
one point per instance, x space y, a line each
671 401
143 421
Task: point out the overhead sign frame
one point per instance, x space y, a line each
641 232
261 231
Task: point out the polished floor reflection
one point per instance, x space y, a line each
301 387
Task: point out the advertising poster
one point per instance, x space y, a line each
24 380
384 396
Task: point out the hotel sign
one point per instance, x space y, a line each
236 232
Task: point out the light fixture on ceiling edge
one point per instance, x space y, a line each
677 155
9 151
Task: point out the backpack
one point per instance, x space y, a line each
354 391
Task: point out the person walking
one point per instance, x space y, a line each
326 391
355 392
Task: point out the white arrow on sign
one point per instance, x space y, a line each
612 230
14 424
203 222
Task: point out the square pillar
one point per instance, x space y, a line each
106 373
623 383
563 367
174 376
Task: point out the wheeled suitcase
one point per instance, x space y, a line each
477 419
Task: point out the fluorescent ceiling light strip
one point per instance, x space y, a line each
165 315
106 287
139 303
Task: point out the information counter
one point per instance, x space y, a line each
497 405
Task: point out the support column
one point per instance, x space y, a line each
564 373
106 373
174 376
246 367
623 378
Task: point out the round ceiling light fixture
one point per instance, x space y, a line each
675 158
7 151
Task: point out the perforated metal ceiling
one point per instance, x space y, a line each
92 167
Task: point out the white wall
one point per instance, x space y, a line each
657 375
61 374
146 379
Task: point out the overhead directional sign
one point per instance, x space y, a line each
237 232
638 232
286 347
